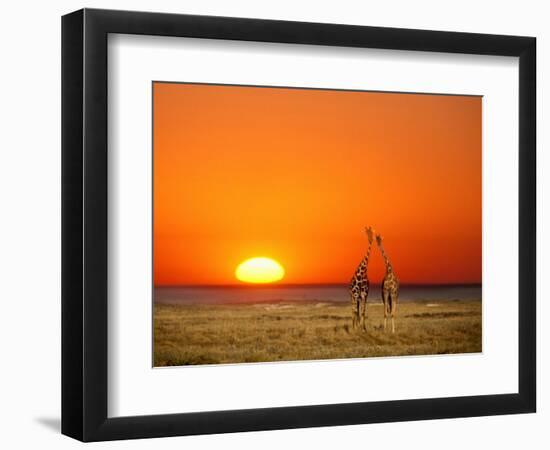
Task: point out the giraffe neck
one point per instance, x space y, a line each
365 261
386 259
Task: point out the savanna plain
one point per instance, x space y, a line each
290 331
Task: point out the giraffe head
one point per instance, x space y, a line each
378 239
370 233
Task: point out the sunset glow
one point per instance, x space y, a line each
297 174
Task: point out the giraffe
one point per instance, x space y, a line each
390 287
359 288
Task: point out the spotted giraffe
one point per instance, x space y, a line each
359 288
390 287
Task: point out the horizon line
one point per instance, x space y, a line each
267 285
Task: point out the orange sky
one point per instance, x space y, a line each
295 175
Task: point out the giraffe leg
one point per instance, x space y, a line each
354 311
364 312
393 310
361 313
353 318
365 315
385 300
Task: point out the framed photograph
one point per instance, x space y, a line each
272 224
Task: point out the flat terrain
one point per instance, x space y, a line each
285 331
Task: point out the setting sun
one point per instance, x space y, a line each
259 270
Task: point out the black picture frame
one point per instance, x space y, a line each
84 224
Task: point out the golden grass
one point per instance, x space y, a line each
217 334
